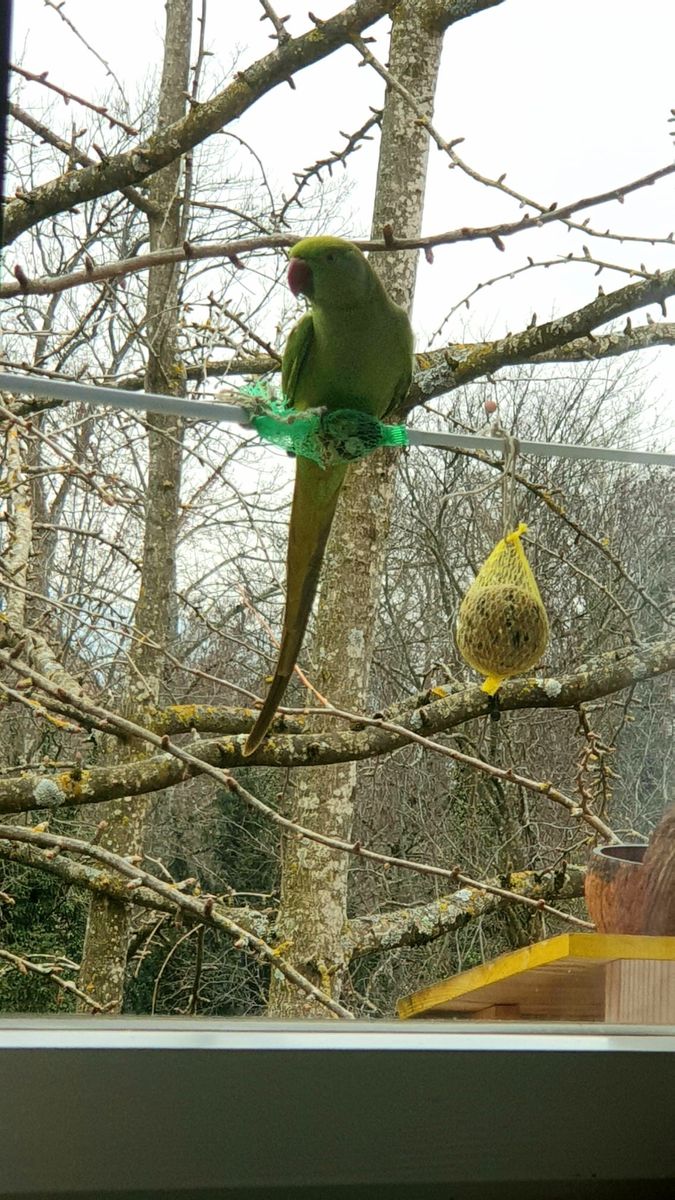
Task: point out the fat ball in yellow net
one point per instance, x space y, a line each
502 627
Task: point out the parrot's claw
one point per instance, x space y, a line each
255 407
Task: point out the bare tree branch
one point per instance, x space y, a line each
201 909
611 672
445 373
234 250
26 966
443 13
546 212
101 882
590 348
68 96
58 6
373 933
423 923
248 86
72 152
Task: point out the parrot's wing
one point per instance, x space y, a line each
403 383
297 348
400 392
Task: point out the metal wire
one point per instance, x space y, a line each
202 410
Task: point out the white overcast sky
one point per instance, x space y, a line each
568 98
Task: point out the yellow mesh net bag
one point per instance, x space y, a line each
502 627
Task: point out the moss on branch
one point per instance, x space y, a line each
611 672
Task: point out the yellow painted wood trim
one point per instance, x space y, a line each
595 946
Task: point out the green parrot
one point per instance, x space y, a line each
353 350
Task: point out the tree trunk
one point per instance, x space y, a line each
314 880
107 937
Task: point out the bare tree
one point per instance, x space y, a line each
106 943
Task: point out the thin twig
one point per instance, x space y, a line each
280 34
506 774
131 729
24 966
352 143
546 213
199 962
101 109
58 9
234 249
275 642
201 909
73 153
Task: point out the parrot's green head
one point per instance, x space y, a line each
330 272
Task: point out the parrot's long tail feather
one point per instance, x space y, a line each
314 501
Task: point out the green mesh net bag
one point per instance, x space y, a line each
327 438
502 627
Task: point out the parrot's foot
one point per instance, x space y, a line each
255 407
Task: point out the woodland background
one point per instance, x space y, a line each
143 868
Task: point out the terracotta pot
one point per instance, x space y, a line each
631 889
614 889
659 866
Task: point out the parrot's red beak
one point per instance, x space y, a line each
299 277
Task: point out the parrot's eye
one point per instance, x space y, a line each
330 257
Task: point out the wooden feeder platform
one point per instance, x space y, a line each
615 978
